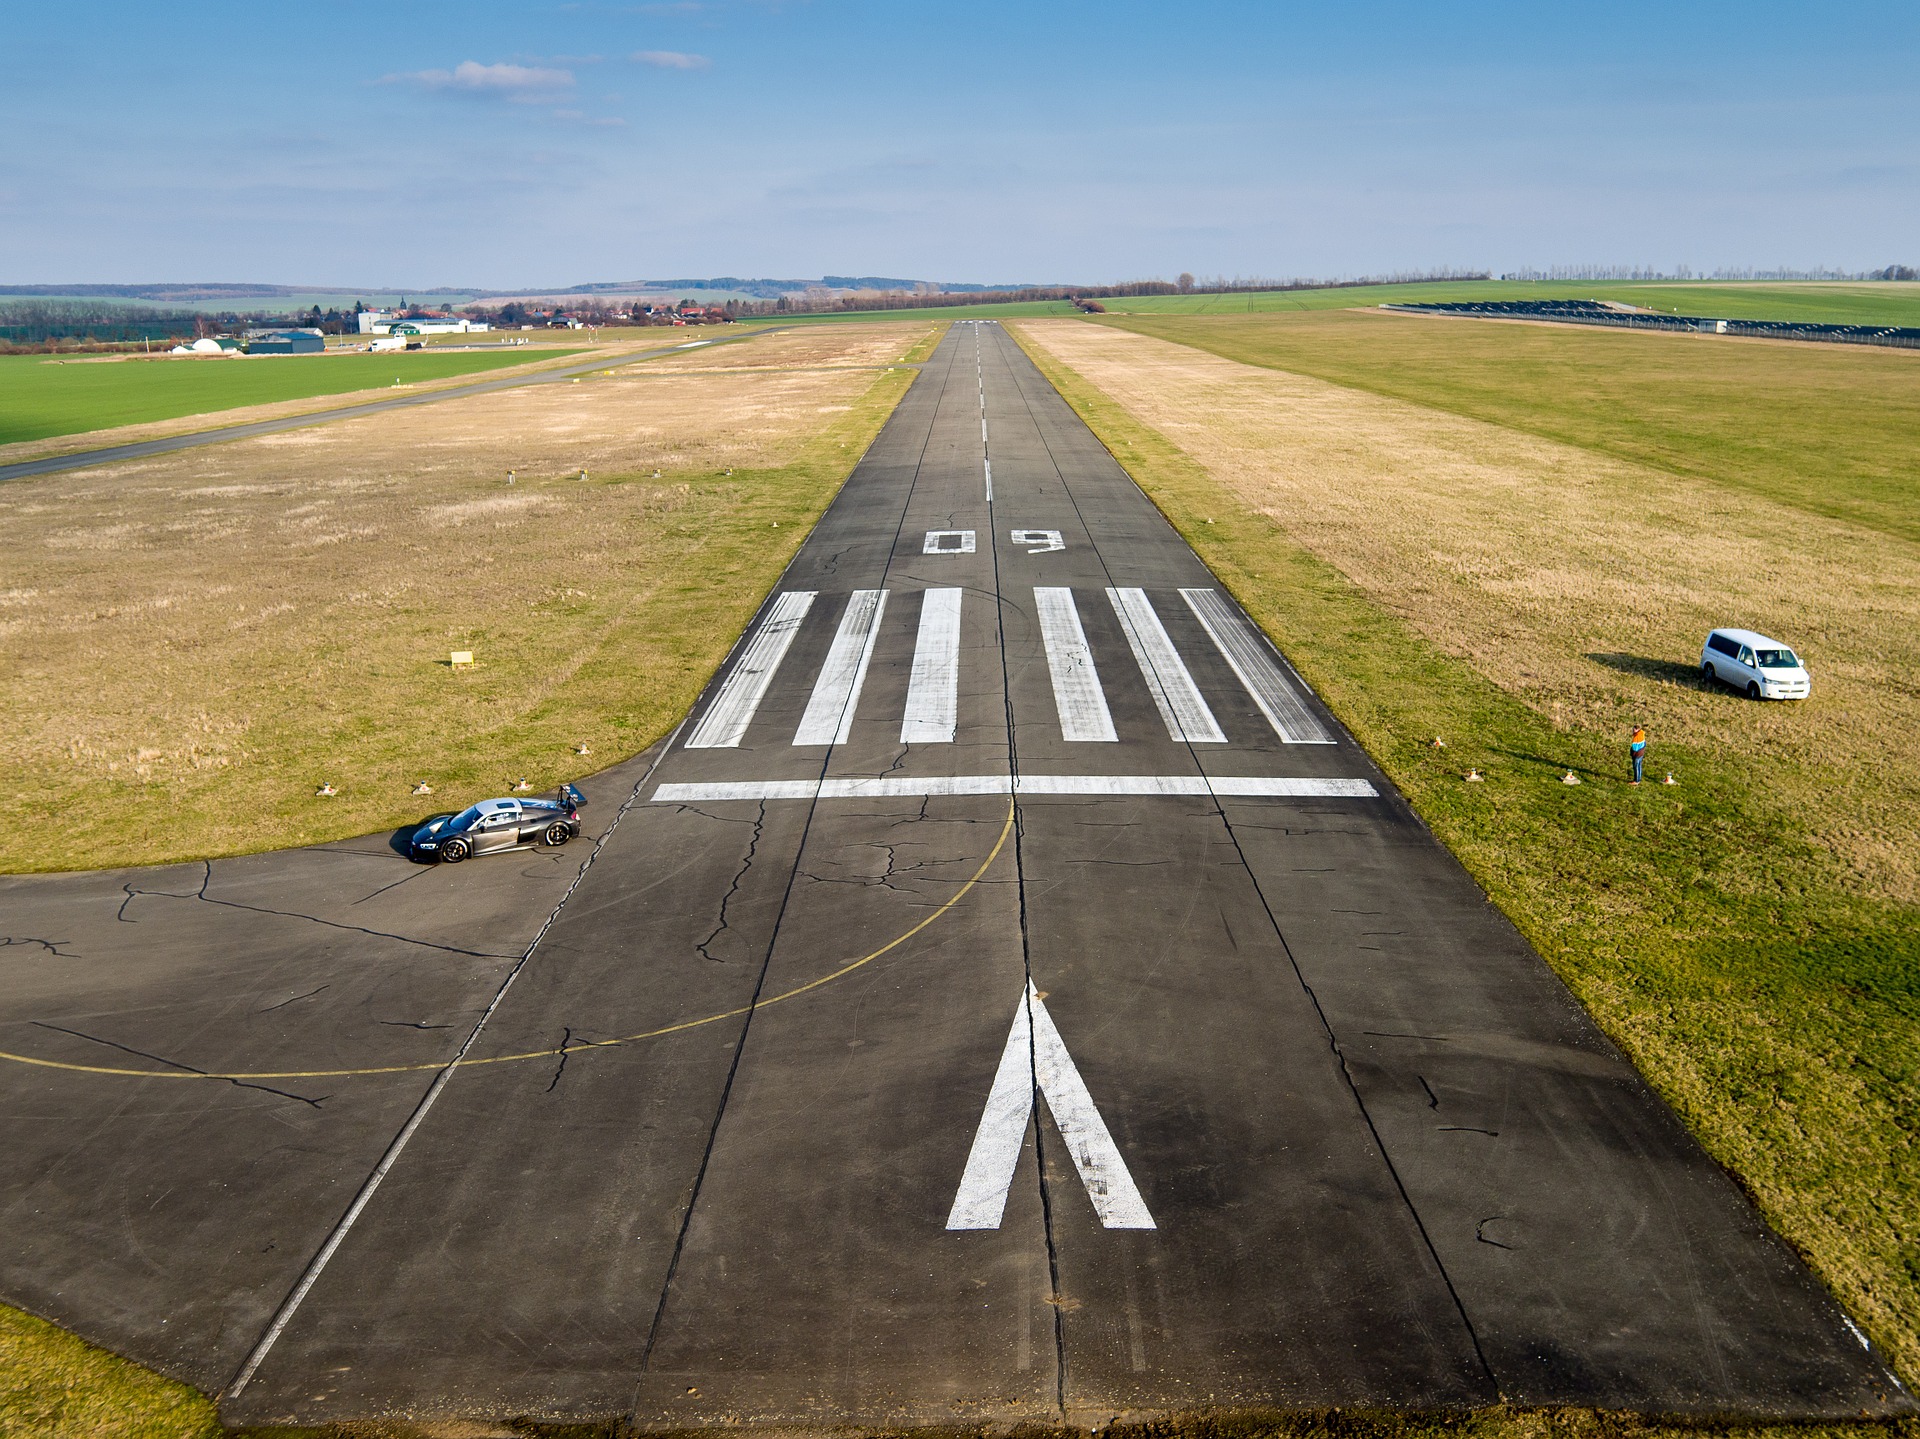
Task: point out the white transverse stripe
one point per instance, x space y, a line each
1036 1058
1076 684
1174 692
725 723
933 691
836 694
1028 785
1253 660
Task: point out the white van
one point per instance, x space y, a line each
1761 668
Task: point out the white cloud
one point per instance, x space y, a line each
670 60
512 82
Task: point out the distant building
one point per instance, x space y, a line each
285 342
387 322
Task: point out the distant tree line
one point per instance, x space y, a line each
819 302
1684 272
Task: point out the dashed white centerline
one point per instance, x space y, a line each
836 693
726 720
933 690
1025 785
1076 684
1174 693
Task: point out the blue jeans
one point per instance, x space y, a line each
1639 758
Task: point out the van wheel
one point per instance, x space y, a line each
1707 673
1753 690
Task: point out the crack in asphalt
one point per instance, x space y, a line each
746 863
566 1042
179 1064
294 1000
51 946
201 895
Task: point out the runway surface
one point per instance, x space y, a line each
145 449
1010 996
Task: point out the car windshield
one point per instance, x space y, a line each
1778 659
465 818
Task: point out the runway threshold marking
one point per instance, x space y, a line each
1174 693
575 1047
1025 785
726 720
836 693
933 687
1035 1063
1252 659
1077 695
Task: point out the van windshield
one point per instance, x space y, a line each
1777 659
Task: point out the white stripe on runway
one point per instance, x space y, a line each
1174 692
1254 661
904 787
725 723
836 694
1036 1058
1076 684
933 690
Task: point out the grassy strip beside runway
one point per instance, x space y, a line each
1734 933
255 621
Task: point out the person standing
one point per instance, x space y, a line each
1637 747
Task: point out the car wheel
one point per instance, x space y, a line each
1708 674
1753 690
454 850
556 833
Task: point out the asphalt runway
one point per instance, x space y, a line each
1011 996
145 449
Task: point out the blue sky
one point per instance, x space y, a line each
507 143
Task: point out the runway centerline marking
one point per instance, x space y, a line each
576 1047
1175 694
726 720
1077 695
1024 785
933 688
1035 1063
836 693
1253 660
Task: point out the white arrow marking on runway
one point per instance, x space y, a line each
1036 1059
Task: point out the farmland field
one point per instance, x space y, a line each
250 620
42 398
1495 566
1830 302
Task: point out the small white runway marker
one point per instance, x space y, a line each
836 694
726 720
1036 1061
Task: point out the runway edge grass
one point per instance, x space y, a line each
1711 939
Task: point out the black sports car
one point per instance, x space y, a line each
499 824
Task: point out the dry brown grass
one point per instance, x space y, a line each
1570 578
195 642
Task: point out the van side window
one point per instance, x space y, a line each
1746 656
1722 645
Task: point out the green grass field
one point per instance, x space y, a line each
1829 302
42 398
